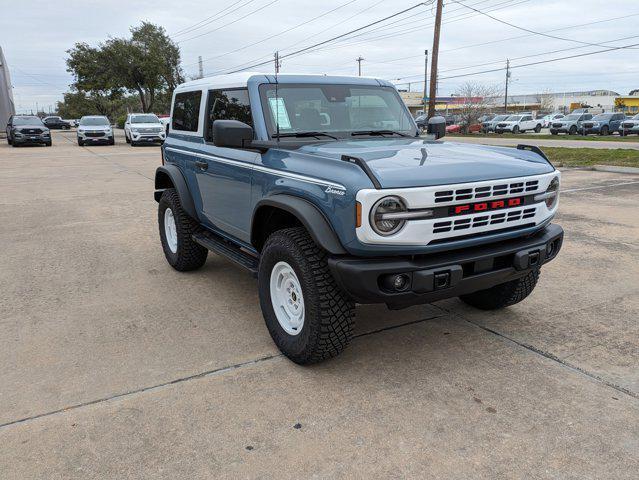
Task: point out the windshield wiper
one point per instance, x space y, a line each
379 133
304 135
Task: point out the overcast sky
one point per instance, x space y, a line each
35 39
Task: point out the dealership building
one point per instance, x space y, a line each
606 100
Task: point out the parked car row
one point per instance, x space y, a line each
92 129
630 127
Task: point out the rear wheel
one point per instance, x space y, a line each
504 295
176 230
308 316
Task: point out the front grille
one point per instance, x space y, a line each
589 125
558 125
484 220
486 191
94 134
502 124
149 130
31 131
628 125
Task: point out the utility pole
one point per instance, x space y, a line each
359 61
200 66
433 65
425 77
277 63
507 80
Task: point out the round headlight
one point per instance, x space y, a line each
553 193
381 217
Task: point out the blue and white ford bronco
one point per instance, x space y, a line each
322 188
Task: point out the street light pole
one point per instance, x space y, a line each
425 77
359 61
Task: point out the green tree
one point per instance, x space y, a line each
147 65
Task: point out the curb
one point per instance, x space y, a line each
613 169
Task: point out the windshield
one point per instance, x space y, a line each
576 116
636 117
94 121
603 116
27 121
339 110
144 119
514 118
499 118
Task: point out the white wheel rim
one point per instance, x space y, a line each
287 298
170 230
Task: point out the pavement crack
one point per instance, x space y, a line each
550 356
208 373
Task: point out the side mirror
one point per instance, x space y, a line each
231 134
437 127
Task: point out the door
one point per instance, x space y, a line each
224 175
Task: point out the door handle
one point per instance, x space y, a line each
202 165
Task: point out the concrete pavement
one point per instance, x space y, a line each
116 366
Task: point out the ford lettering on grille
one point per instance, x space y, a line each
485 206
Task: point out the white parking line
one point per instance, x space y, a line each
597 187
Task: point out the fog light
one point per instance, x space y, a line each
396 282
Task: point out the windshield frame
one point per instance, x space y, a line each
573 117
514 118
340 134
83 119
150 115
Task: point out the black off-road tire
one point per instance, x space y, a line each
504 295
328 312
189 255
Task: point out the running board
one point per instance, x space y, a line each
223 247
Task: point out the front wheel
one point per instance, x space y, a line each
515 129
538 129
573 130
80 143
605 131
504 295
308 316
126 138
176 230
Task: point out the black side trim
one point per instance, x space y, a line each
364 166
309 215
224 247
177 179
535 149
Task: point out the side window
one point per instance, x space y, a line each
227 105
527 118
186 111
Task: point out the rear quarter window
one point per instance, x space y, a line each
186 111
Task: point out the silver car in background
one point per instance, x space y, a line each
95 129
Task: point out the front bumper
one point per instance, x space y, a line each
89 137
447 274
25 139
148 137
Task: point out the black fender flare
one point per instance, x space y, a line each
309 215
179 183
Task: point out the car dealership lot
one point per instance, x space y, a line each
115 366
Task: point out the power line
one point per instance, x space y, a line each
229 23
282 32
211 19
522 57
305 49
542 61
554 37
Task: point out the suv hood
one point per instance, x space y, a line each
406 162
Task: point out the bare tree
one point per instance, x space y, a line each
475 100
546 102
